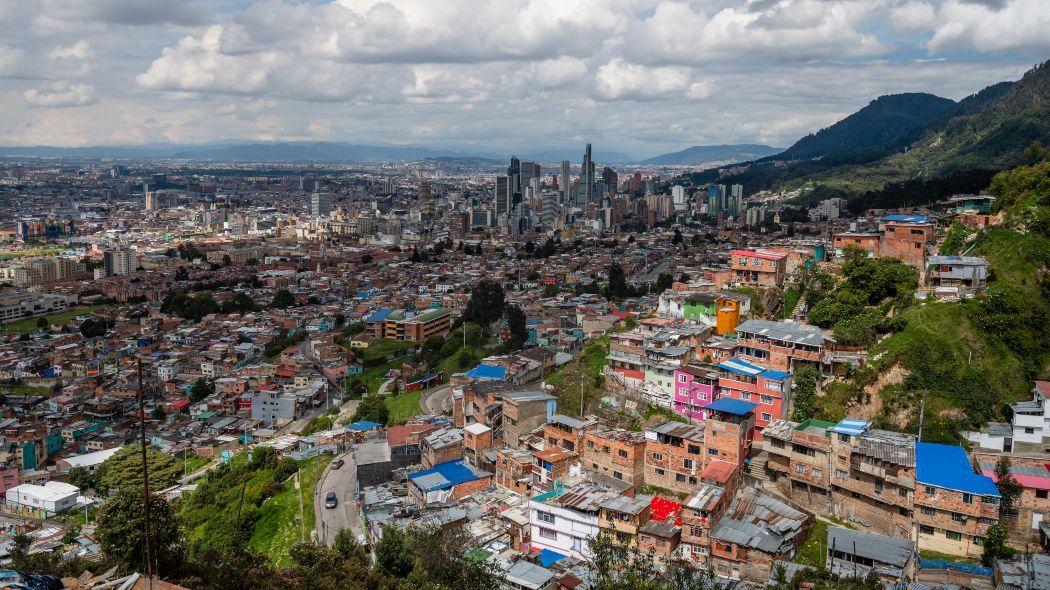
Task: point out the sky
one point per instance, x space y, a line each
638 76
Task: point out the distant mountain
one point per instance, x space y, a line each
704 154
887 124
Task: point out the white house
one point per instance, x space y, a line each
89 461
43 501
1027 431
565 521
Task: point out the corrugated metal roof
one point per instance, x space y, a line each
879 548
786 331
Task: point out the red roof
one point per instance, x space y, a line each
285 373
719 471
660 510
181 403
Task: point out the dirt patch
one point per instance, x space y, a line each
871 406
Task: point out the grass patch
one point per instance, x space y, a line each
658 412
652 490
757 309
22 389
195 462
320 423
584 371
934 555
791 298
813 551
279 526
29 325
381 349
403 406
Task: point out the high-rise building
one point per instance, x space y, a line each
636 182
529 170
514 173
426 200
502 194
320 204
119 262
611 180
152 200
585 192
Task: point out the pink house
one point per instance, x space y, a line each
694 387
768 388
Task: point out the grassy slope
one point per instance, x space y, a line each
566 380
403 406
278 527
28 326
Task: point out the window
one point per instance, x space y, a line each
800 469
989 500
766 399
931 491
687 463
954 536
766 416
712 452
682 379
843 438
617 475
745 396
773 386
967 498
546 517
577 544
926 530
659 471
694 450
841 474
1041 494
605 449
926 510
1029 430
958 517
657 457
818 473
552 440
679 477
547 533
622 453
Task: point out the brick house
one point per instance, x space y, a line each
621 517
783 345
565 432
617 453
694 387
514 470
674 456
906 238
441 446
659 540
758 268
953 505
699 514
1025 520
757 530
768 389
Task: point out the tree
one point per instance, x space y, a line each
181 274
373 409
226 260
486 303
157 413
82 478
283 299
677 239
122 538
551 291
93 328
200 390
518 331
123 471
994 544
43 323
618 287
664 282
806 380
1009 488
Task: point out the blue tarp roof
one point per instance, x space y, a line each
364 425
851 426
484 371
379 315
907 218
547 557
731 406
947 466
444 475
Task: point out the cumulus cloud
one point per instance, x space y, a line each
618 80
992 27
61 94
127 12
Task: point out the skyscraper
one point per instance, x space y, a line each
501 196
611 180
426 200
514 173
586 186
320 204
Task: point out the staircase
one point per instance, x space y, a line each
756 469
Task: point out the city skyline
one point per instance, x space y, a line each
637 77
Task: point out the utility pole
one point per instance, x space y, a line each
922 413
145 477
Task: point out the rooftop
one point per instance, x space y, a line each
948 467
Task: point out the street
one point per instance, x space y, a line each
437 400
345 515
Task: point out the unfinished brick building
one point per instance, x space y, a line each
674 456
616 453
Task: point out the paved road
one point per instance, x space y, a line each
437 400
343 482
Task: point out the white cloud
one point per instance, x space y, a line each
10 60
619 80
1013 25
61 94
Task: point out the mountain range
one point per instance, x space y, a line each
909 148
706 154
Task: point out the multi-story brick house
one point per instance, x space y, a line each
659 540
627 357
729 431
441 446
768 389
695 386
1030 510
514 470
953 505
799 459
906 238
525 411
674 456
758 268
757 530
565 432
783 345
551 465
873 478
869 242
508 411
620 518
700 512
616 453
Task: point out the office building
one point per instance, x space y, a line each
119 262
585 191
320 204
565 181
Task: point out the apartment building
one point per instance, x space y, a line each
784 345
615 453
565 521
758 268
768 389
17 306
799 458
700 512
953 505
509 412
674 456
412 327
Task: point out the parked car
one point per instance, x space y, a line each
330 500
338 463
